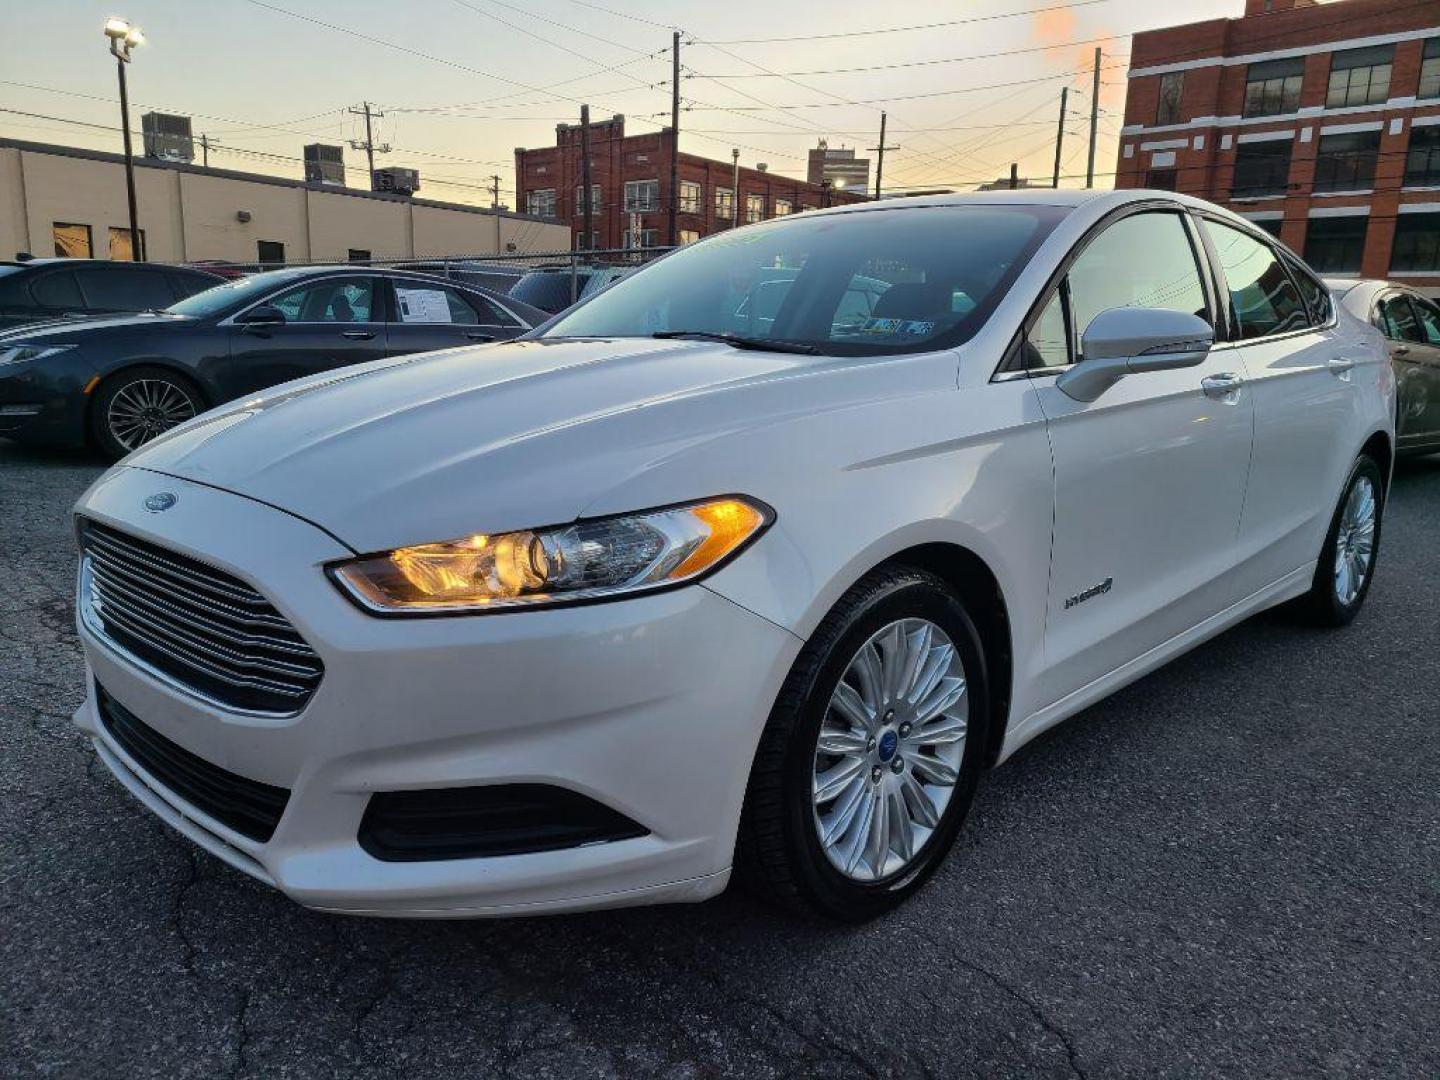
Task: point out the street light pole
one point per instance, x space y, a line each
123 37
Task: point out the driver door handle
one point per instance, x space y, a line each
1340 366
358 335
1221 385
1400 350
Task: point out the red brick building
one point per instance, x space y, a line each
630 182
1320 123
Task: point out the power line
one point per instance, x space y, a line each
904 29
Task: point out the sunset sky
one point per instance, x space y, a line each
464 82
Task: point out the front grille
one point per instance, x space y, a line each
205 630
249 807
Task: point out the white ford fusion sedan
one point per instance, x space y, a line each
756 560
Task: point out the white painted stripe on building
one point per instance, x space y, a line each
1306 113
1397 125
1162 160
1306 133
1350 129
1340 211
1266 136
1280 54
1425 121
1167 144
1419 207
1264 215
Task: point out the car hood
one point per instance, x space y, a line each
78 327
433 446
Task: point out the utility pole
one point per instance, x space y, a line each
880 161
674 136
1059 136
205 145
495 192
1014 175
368 145
136 252
735 192
587 224
1094 121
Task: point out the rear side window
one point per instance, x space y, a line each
1144 260
1317 297
1263 298
1429 316
124 290
57 291
1397 321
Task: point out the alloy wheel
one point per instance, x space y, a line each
1355 541
890 749
145 408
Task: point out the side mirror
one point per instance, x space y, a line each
1132 340
261 316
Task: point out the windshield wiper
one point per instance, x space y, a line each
761 344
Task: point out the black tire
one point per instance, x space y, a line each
1323 604
114 440
779 854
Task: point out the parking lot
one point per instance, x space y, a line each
1232 868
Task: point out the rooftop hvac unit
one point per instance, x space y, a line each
324 164
167 137
397 181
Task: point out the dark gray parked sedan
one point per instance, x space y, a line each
119 382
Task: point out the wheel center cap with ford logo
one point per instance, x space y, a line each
161 501
888 744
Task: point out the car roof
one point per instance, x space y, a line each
49 261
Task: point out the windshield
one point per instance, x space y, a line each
869 282
233 294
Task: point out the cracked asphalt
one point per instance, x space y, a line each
1231 868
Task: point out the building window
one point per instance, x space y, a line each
1161 179
270 252
689 197
783 207
1335 244
1430 70
540 203
359 255
71 241
121 249
688 236
580 244
1269 225
1417 243
1261 168
1347 162
1273 87
645 238
1422 163
1171 85
724 203
641 195
594 199
1360 76
754 208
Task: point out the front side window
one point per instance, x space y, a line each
1334 245
1346 162
1261 168
1430 70
689 197
641 195
540 203
1422 161
1262 297
1172 84
1417 243
331 300
1144 260
1273 87
71 241
1047 341
929 277
1360 76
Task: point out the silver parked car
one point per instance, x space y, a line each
1411 325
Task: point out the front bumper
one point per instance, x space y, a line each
652 706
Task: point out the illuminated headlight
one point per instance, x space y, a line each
17 354
587 560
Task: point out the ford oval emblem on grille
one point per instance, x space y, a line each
161 501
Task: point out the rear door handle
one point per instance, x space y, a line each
475 335
357 335
1222 385
1400 350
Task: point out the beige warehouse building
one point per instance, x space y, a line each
57 200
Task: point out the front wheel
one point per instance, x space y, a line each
1347 561
135 406
870 758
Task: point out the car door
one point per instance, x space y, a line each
1150 477
430 315
1396 319
331 322
1421 361
1300 377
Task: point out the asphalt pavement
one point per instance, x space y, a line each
1231 868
